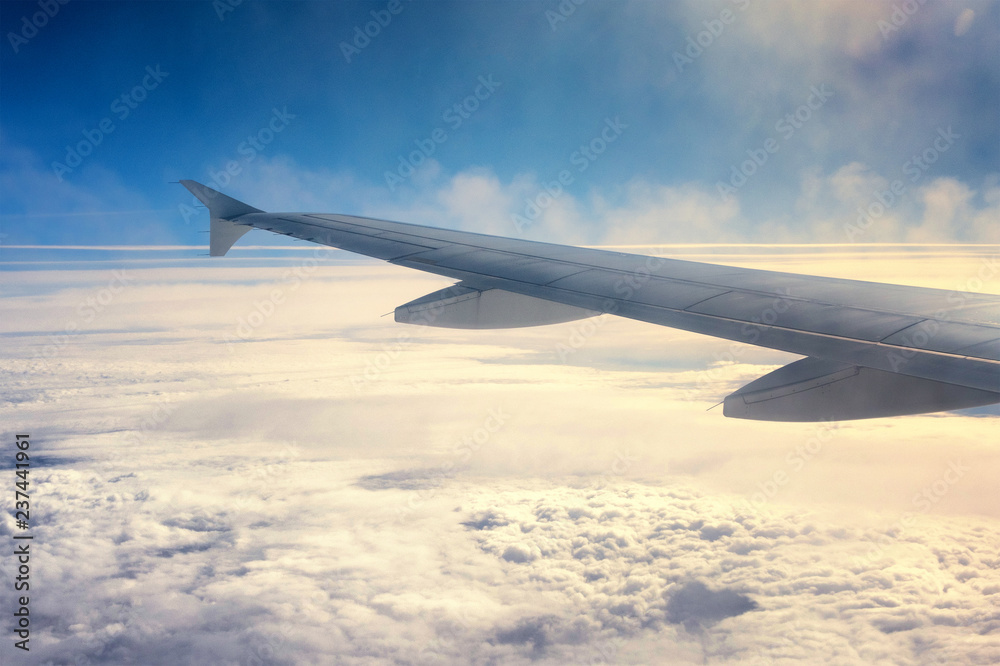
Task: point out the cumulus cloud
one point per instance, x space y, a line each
685 214
854 203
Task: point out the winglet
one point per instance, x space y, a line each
219 205
222 210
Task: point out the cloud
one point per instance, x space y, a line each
212 506
685 214
694 605
419 479
842 206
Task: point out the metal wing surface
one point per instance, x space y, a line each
871 349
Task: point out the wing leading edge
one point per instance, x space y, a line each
871 349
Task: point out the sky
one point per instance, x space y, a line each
243 461
733 121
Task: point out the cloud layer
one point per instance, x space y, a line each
331 487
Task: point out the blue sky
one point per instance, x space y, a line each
882 89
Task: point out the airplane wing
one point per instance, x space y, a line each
870 349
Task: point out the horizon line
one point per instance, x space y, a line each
299 248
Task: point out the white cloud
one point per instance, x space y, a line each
209 506
685 214
854 203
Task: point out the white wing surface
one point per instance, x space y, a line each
870 349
